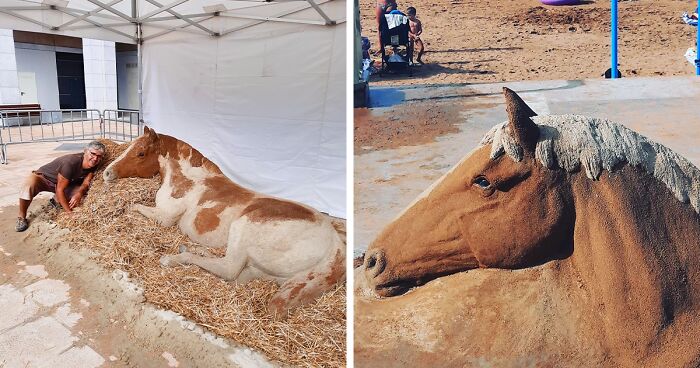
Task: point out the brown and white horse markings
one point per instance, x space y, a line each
266 237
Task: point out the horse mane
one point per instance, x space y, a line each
176 149
571 142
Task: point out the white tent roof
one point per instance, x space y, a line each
116 20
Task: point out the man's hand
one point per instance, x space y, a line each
75 200
60 192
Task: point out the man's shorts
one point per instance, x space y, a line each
37 183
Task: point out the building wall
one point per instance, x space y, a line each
9 83
100 74
128 80
40 60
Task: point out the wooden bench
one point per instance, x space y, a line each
20 107
18 115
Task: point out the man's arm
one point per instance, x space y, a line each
419 28
61 186
78 196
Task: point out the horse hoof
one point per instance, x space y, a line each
165 261
182 248
277 308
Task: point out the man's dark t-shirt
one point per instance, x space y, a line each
69 166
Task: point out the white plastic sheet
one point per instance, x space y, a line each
267 104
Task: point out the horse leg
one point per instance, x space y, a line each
228 268
157 214
307 286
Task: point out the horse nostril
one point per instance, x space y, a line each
371 262
374 263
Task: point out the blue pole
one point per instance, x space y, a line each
697 48
613 36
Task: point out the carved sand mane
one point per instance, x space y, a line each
574 142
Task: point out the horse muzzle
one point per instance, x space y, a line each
391 278
109 175
374 267
375 263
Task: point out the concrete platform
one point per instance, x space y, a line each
663 109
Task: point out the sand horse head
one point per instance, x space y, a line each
139 160
518 200
488 211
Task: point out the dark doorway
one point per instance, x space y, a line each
71 80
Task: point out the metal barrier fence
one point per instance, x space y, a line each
126 119
28 126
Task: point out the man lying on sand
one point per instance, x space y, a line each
68 176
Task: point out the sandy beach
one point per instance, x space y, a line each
482 41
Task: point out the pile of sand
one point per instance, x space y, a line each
413 125
313 335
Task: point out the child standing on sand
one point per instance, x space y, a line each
415 32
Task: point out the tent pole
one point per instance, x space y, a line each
140 68
139 56
697 46
613 36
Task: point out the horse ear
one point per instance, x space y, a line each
149 132
524 130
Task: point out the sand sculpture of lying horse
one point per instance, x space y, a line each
583 241
266 237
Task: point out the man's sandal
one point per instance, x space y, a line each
22 224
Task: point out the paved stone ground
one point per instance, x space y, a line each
39 315
38 320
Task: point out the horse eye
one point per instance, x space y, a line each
141 154
482 182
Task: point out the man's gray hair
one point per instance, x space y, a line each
96 145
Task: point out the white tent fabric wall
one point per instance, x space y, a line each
265 101
266 104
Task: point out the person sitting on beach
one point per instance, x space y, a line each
383 7
416 29
68 177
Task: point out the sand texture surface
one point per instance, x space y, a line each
483 41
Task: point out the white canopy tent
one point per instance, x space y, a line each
119 20
257 86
